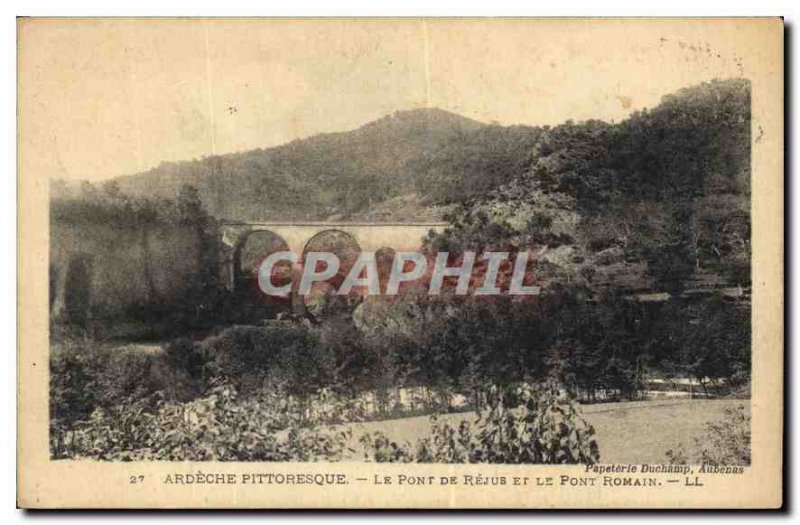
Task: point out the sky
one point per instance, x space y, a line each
101 98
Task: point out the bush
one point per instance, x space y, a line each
727 442
250 357
381 449
87 376
72 396
219 426
524 424
186 356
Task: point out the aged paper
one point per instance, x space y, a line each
400 263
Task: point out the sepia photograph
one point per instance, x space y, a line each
400 245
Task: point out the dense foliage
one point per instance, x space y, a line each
154 260
466 350
218 426
668 188
522 424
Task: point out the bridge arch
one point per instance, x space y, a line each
250 249
341 243
333 240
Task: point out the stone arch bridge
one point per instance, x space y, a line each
298 236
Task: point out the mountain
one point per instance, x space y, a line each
327 176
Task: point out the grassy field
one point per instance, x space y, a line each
632 432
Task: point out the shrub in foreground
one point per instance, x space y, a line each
219 426
526 424
726 442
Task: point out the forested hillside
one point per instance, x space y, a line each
655 202
326 176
